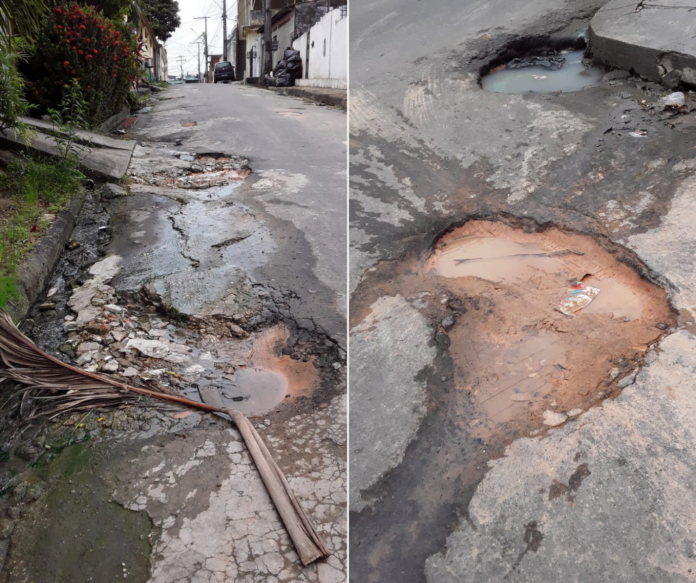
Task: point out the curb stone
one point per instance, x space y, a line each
33 273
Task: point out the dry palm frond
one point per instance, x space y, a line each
50 387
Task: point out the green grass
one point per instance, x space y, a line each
9 290
29 189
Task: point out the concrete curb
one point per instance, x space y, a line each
32 274
114 121
656 44
317 94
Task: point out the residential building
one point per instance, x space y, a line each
149 50
162 70
324 51
290 19
232 49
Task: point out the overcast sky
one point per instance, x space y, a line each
179 45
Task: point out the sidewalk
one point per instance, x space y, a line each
108 159
334 97
655 38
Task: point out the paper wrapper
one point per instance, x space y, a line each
576 298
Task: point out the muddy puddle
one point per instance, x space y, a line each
257 377
564 72
516 357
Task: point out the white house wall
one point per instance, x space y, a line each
328 52
339 47
284 34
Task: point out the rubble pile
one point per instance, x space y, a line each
186 170
135 341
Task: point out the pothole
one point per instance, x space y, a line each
164 167
546 71
500 293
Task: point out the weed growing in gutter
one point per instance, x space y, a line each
31 194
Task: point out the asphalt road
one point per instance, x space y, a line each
297 154
430 149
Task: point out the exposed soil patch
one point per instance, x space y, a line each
514 352
496 292
300 376
507 361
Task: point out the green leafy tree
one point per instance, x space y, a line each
13 105
114 9
23 17
163 16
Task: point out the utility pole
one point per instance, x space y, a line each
224 30
267 43
181 64
205 52
199 59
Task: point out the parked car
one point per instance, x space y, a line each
191 79
224 71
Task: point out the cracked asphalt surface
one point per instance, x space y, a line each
297 186
430 500
225 273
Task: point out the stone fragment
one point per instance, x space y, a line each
177 358
87 347
113 308
6 528
111 191
554 419
130 372
238 331
627 381
119 334
151 348
111 366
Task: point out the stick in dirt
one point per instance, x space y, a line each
552 254
50 387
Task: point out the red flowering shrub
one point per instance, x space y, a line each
78 42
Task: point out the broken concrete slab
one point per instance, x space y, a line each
657 40
107 159
223 291
83 137
388 401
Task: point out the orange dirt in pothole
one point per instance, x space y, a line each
301 377
270 377
514 354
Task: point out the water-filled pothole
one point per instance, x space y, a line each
548 72
263 377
